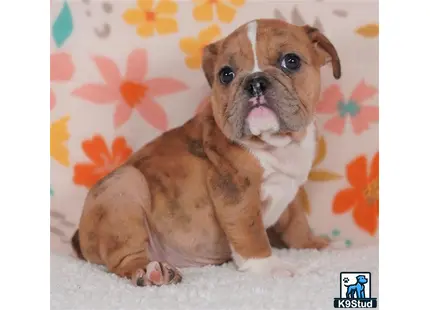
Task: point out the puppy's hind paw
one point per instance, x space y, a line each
161 273
139 278
156 273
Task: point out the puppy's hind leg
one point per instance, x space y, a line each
113 229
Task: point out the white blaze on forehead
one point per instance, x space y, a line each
252 36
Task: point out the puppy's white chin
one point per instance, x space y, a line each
281 141
262 120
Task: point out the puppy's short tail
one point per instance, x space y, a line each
76 246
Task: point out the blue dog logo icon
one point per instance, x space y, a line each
356 290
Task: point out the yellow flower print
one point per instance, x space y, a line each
225 9
368 31
149 18
317 175
193 47
59 136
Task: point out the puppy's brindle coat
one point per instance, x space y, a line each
193 196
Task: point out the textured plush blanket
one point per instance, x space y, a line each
76 285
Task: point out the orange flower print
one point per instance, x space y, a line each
150 18
193 47
131 92
362 197
102 159
225 9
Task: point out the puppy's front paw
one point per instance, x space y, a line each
271 265
318 242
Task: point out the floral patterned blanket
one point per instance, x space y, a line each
124 71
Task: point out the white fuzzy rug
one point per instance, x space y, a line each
77 285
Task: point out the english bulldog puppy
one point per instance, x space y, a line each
215 188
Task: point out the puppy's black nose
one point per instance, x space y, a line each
256 85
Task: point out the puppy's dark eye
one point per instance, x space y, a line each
226 75
290 62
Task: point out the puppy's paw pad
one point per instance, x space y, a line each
153 270
161 273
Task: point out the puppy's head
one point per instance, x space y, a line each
265 78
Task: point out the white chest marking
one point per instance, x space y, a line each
252 36
285 169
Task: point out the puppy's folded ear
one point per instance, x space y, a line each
210 53
325 50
